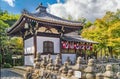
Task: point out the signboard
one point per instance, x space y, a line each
77 74
63 78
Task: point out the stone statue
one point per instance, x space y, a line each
109 73
37 65
58 59
48 57
99 76
44 63
118 75
64 69
68 60
90 70
36 74
70 74
37 61
28 74
49 68
38 58
78 66
50 65
57 65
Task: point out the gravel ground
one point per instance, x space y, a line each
7 74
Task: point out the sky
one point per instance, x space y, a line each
90 9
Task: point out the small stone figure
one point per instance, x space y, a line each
38 58
36 74
28 74
37 65
78 66
50 65
37 61
44 63
70 74
57 65
83 60
99 76
49 68
58 59
118 75
109 73
48 57
90 70
68 60
64 69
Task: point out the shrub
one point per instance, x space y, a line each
7 65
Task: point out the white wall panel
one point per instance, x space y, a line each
41 39
29 60
29 46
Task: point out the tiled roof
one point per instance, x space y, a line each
41 13
73 36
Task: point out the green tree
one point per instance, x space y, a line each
106 31
7 43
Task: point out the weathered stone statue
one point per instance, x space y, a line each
78 66
118 75
38 57
109 73
64 70
83 60
36 74
50 65
28 74
70 74
68 60
99 76
44 63
48 57
57 65
90 70
37 65
37 61
58 59
49 69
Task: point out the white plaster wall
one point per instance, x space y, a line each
29 60
29 46
41 39
72 57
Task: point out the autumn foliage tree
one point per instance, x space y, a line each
106 31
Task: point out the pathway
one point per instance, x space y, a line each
7 74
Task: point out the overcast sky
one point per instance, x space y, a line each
90 9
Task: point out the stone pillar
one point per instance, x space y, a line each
109 73
90 70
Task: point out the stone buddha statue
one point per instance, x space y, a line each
109 74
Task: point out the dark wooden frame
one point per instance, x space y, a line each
48 45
